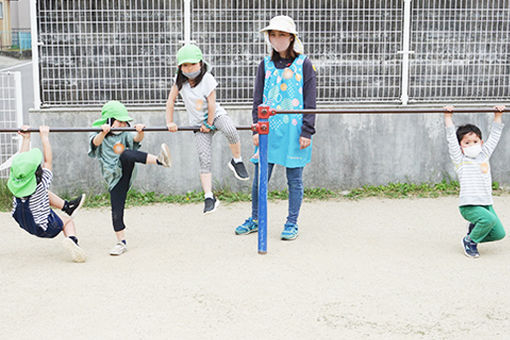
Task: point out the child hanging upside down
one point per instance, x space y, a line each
29 182
117 153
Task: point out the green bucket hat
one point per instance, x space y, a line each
22 181
192 54
189 53
113 109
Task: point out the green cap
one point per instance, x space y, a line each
189 54
22 181
113 109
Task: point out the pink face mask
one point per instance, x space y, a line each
280 44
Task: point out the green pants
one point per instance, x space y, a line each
488 227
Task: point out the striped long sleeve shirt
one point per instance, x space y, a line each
474 173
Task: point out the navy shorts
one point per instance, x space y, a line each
55 226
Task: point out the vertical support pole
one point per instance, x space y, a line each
35 54
187 21
19 102
406 32
263 130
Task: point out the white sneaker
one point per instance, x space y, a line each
164 156
77 254
119 249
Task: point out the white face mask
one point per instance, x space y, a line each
280 44
116 132
473 151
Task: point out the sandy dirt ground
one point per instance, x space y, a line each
367 269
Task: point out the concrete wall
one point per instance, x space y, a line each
348 151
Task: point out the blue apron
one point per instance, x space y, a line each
283 90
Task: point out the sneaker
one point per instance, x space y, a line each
74 205
210 205
470 248
77 254
290 232
239 170
164 156
470 228
249 226
119 249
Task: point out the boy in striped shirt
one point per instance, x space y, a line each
470 155
29 182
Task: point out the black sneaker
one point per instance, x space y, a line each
210 205
239 170
74 205
470 248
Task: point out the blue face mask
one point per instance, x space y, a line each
192 75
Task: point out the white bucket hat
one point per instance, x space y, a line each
285 24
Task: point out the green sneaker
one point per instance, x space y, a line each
290 232
249 226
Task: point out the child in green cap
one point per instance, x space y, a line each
117 152
29 182
197 87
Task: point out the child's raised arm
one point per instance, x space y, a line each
25 144
44 132
453 144
98 139
448 115
140 134
499 113
170 104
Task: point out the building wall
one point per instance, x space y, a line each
349 151
20 14
5 24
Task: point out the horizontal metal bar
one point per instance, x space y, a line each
386 111
91 129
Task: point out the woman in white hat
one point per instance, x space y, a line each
285 81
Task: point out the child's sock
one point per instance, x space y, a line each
208 195
75 240
123 241
158 162
238 160
65 207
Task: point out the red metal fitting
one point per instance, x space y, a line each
265 111
262 128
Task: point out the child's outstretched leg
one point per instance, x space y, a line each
225 124
69 207
70 241
203 143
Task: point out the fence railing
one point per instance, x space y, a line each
95 51
11 115
17 39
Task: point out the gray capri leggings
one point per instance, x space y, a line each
203 140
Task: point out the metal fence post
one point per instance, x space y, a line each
19 101
404 97
187 21
35 54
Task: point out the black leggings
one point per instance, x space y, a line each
119 192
